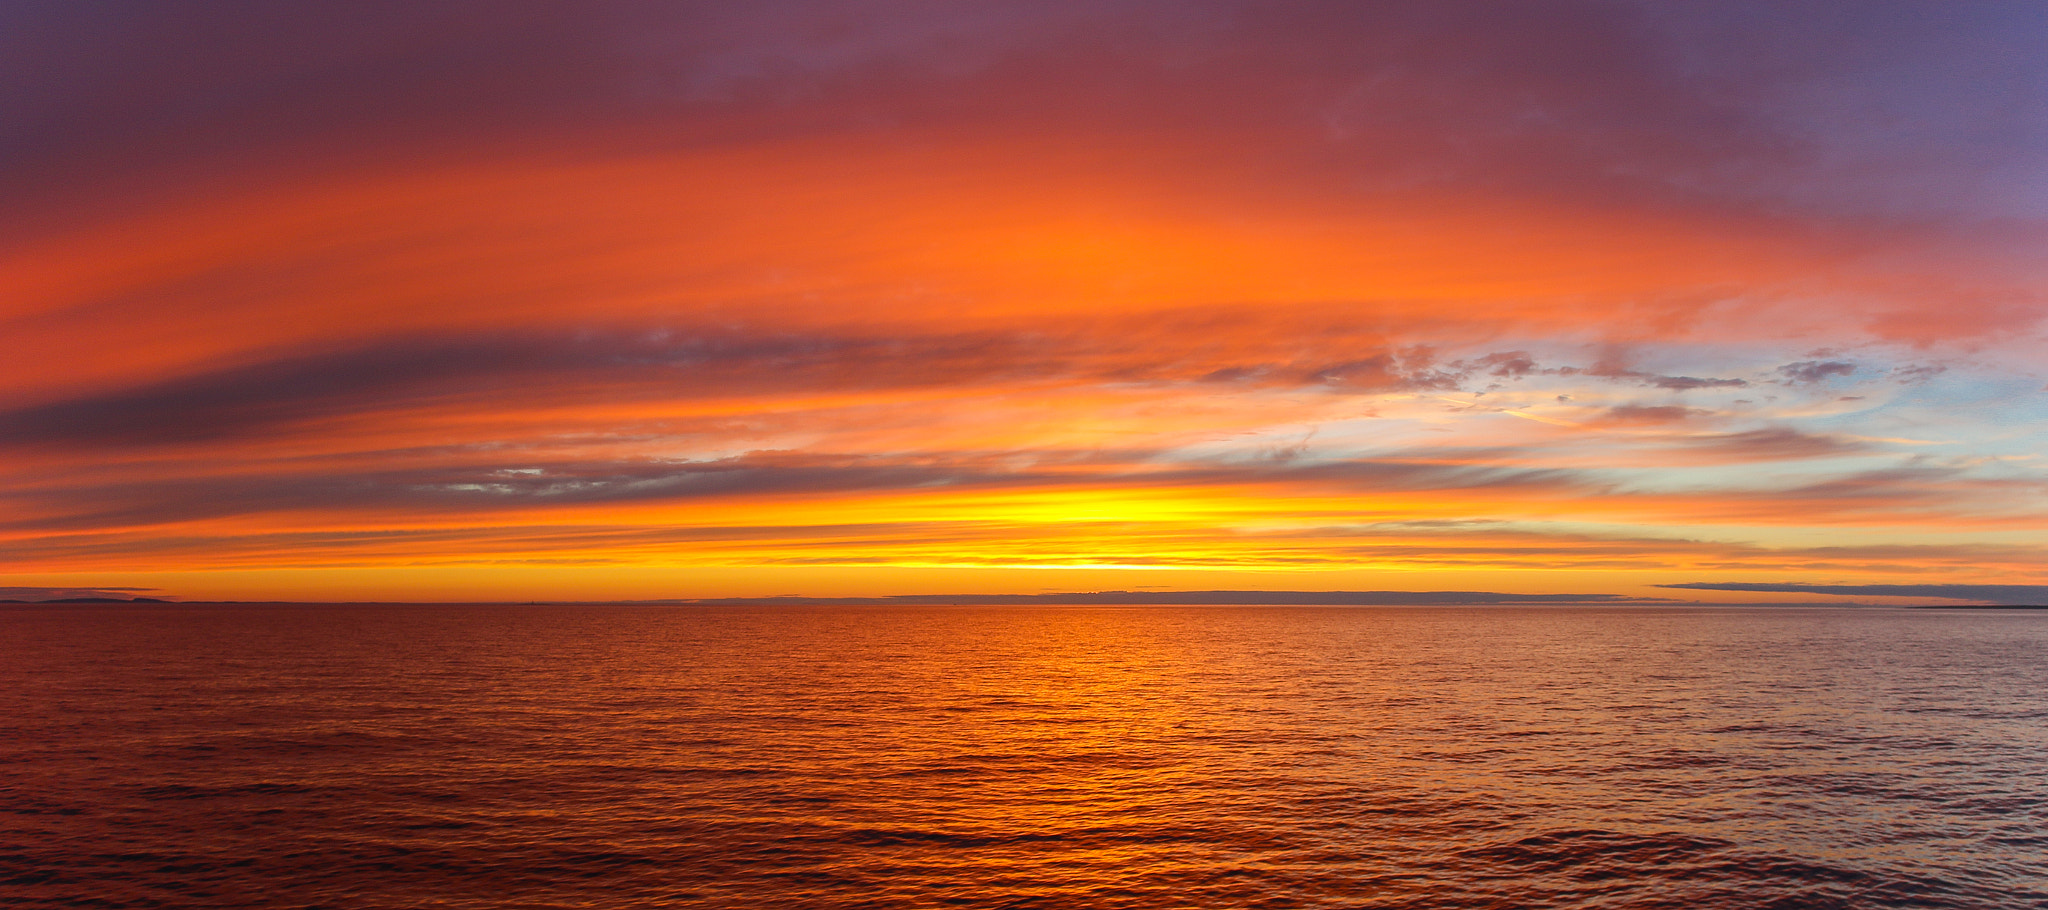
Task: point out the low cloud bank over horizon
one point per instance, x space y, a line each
49 594
2007 595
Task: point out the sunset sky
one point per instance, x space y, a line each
507 300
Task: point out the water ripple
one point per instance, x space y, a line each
599 757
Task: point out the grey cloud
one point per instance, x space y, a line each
1684 383
484 489
1812 371
310 386
1614 368
1768 105
1499 365
305 387
1674 383
1381 474
1382 372
1639 414
1888 486
1914 375
1775 444
467 544
1508 365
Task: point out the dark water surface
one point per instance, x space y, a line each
458 757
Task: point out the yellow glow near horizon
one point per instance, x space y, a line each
1272 316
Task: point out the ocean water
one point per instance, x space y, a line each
1061 757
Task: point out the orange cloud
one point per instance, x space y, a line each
1237 298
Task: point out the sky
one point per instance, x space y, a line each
621 300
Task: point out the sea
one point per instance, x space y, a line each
628 756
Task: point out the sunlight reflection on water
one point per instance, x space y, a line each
617 756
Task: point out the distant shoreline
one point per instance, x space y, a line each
1981 607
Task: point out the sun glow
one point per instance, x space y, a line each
1327 320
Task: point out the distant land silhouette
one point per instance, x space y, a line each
1990 595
